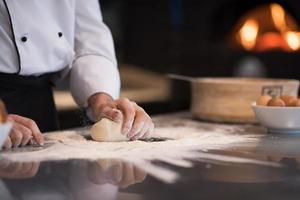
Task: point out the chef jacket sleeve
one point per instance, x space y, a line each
95 67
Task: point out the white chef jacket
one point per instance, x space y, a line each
43 36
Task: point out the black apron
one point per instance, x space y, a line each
31 97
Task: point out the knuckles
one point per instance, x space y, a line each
16 136
127 126
123 100
134 104
31 124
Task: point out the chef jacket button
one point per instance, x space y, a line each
60 34
24 39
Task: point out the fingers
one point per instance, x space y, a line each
142 126
29 124
149 131
110 113
20 131
128 111
15 137
136 122
142 133
7 143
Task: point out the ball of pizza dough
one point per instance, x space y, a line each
107 130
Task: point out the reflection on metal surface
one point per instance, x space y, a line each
18 170
242 173
116 172
82 180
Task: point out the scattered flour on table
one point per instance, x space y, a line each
187 144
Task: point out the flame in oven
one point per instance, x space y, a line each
293 40
278 16
268 27
248 34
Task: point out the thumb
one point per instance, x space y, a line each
110 113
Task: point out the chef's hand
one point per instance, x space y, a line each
23 131
136 122
115 172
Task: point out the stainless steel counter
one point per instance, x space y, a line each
81 179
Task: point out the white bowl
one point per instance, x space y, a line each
278 119
4 131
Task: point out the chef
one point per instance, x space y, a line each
43 41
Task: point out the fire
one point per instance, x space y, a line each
248 33
278 16
293 40
268 27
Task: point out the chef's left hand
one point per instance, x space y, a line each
136 122
23 130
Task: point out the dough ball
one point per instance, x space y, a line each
263 100
107 131
276 102
289 100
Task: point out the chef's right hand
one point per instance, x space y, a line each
23 131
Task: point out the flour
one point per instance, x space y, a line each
187 142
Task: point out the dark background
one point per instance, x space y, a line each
189 36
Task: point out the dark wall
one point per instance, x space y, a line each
188 36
